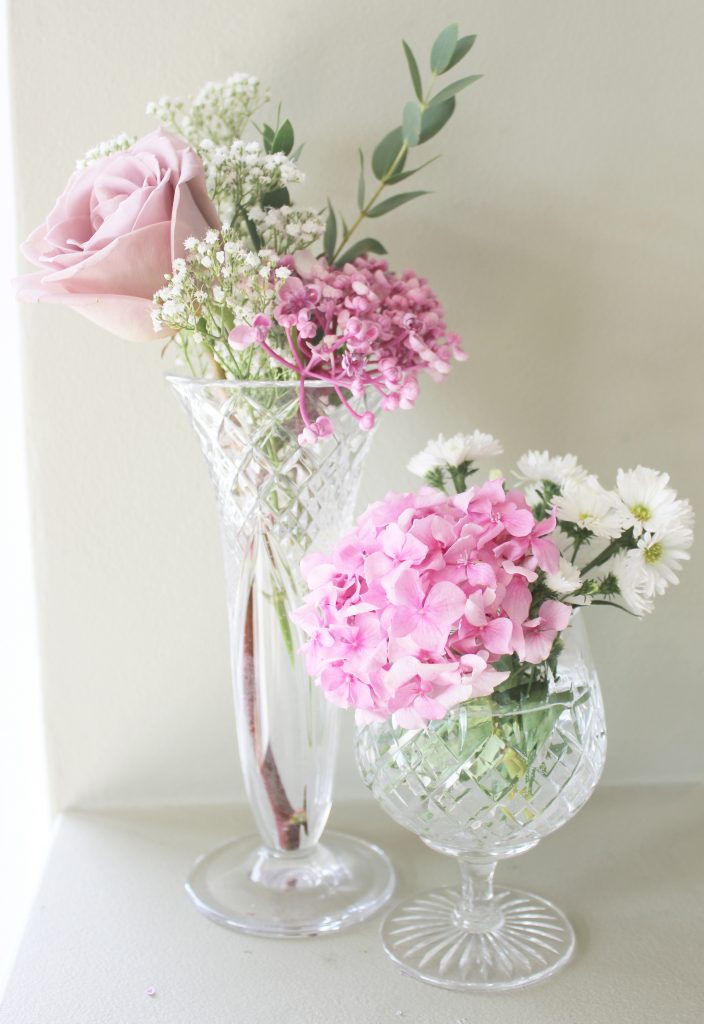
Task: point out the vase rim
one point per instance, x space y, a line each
236 385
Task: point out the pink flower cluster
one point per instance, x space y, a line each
410 611
357 327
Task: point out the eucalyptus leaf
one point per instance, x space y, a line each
283 140
464 45
253 233
365 245
396 178
330 236
451 90
360 183
413 68
434 118
276 198
387 205
386 154
443 49
267 137
411 123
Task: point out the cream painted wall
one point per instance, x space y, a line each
565 238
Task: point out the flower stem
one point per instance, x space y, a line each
288 823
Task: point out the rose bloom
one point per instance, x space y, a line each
114 232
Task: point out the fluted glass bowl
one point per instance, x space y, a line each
486 782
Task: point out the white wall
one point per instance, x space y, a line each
24 813
565 238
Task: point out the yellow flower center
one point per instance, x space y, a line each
654 553
641 512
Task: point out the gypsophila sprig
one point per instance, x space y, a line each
241 175
287 229
219 111
218 284
103 149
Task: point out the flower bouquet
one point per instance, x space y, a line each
293 333
452 624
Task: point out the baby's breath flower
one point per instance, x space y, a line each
219 112
115 145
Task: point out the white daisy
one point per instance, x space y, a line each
661 555
534 467
566 580
453 451
559 469
650 505
627 567
591 506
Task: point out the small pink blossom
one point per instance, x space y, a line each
359 327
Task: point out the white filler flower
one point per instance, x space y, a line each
633 584
535 467
566 580
592 507
454 451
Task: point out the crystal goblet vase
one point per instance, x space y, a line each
486 782
278 501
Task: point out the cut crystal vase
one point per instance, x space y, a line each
277 501
486 782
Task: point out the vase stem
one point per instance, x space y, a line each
476 910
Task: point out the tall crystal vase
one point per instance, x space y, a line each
278 501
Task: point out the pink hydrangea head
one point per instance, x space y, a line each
408 615
361 328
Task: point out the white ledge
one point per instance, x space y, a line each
112 921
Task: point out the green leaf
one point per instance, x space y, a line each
413 68
330 236
267 137
464 45
276 198
360 183
411 123
451 90
386 154
434 118
387 205
253 233
365 245
396 178
443 49
297 152
283 140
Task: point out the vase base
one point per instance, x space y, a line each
337 883
529 940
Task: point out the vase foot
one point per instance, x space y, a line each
528 940
337 883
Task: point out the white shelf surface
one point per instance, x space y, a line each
112 921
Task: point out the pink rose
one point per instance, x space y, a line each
115 231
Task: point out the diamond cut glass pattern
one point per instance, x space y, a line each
277 502
489 781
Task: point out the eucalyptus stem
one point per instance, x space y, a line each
398 162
